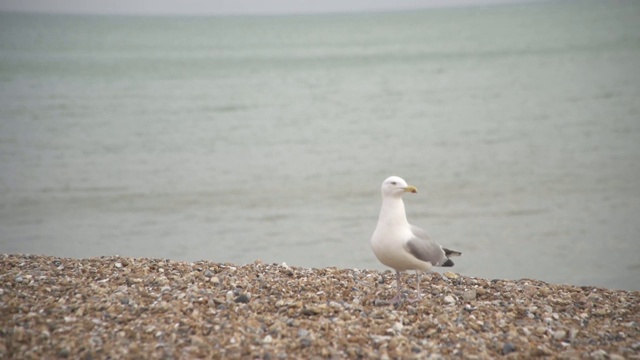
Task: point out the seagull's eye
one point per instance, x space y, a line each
394 183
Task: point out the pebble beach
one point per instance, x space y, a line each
118 307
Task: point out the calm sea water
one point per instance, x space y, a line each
240 138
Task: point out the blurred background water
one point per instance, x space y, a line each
240 138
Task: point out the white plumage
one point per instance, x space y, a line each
400 245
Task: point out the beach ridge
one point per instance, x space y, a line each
122 307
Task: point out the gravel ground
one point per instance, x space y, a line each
150 308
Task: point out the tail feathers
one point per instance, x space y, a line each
449 253
448 263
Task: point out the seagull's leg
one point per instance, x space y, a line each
418 296
398 296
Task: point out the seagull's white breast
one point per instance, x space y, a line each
388 244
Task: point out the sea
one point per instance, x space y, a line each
238 139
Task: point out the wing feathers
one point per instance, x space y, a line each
425 249
450 253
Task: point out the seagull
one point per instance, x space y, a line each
400 245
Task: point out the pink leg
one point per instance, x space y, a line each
418 295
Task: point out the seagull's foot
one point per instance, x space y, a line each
415 299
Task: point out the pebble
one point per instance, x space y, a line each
508 348
599 354
559 334
305 342
243 298
396 328
92 308
529 290
469 295
450 275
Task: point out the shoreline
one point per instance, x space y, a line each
157 308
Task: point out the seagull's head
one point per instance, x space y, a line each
396 186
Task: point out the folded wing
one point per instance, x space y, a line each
424 248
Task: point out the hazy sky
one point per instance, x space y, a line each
228 6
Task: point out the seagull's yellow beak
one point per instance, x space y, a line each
411 189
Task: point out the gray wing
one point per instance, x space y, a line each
422 247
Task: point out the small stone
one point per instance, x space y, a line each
396 328
377 339
573 333
312 310
215 280
599 355
305 342
208 273
529 290
64 352
243 298
118 265
541 330
559 334
96 341
469 295
508 348
267 339
450 275
539 351
449 299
